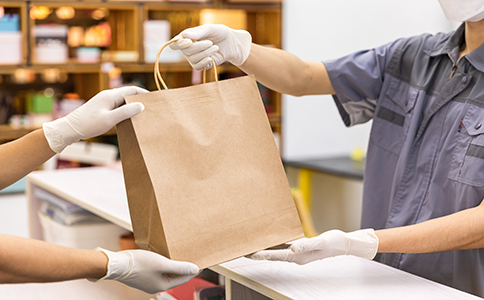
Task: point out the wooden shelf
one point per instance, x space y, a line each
9 133
164 5
169 5
75 67
274 118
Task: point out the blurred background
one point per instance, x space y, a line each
55 55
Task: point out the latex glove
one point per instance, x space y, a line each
217 41
147 271
94 118
362 243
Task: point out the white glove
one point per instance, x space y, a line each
217 41
94 118
362 243
147 271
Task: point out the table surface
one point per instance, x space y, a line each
340 166
101 190
341 277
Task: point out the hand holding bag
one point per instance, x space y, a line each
204 178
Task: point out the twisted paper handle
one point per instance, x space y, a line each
159 79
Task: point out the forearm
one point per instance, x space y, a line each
24 260
286 73
20 157
458 231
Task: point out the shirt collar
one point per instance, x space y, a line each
451 46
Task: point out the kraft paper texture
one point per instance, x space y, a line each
204 178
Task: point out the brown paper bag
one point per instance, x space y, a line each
203 175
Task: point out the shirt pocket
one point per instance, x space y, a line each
468 158
393 116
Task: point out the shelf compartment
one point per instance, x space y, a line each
20 9
107 27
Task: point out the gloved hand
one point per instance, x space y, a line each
362 243
94 118
147 271
217 41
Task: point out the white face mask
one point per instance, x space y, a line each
463 10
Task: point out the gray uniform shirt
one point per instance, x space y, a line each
426 150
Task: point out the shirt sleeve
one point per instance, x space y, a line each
358 80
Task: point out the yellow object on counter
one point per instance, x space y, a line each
358 154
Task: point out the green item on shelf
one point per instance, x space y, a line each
39 103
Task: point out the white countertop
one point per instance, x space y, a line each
101 190
341 277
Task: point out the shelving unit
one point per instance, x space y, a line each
126 19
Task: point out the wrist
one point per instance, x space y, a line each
118 264
59 134
99 266
243 43
362 243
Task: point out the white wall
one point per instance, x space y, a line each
14 218
320 29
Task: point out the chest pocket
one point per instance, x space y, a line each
393 116
468 158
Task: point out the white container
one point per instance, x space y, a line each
51 52
88 54
51 43
11 48
157 33
83 236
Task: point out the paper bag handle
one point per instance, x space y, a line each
158 77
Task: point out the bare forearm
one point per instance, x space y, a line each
20 157
24 260
458 231
286 73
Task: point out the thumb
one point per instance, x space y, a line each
305 245
180 267
124 112
275 255
118 94
334 239
196 33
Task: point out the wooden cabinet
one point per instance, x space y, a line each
123 58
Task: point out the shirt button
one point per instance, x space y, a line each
478 126
464 79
